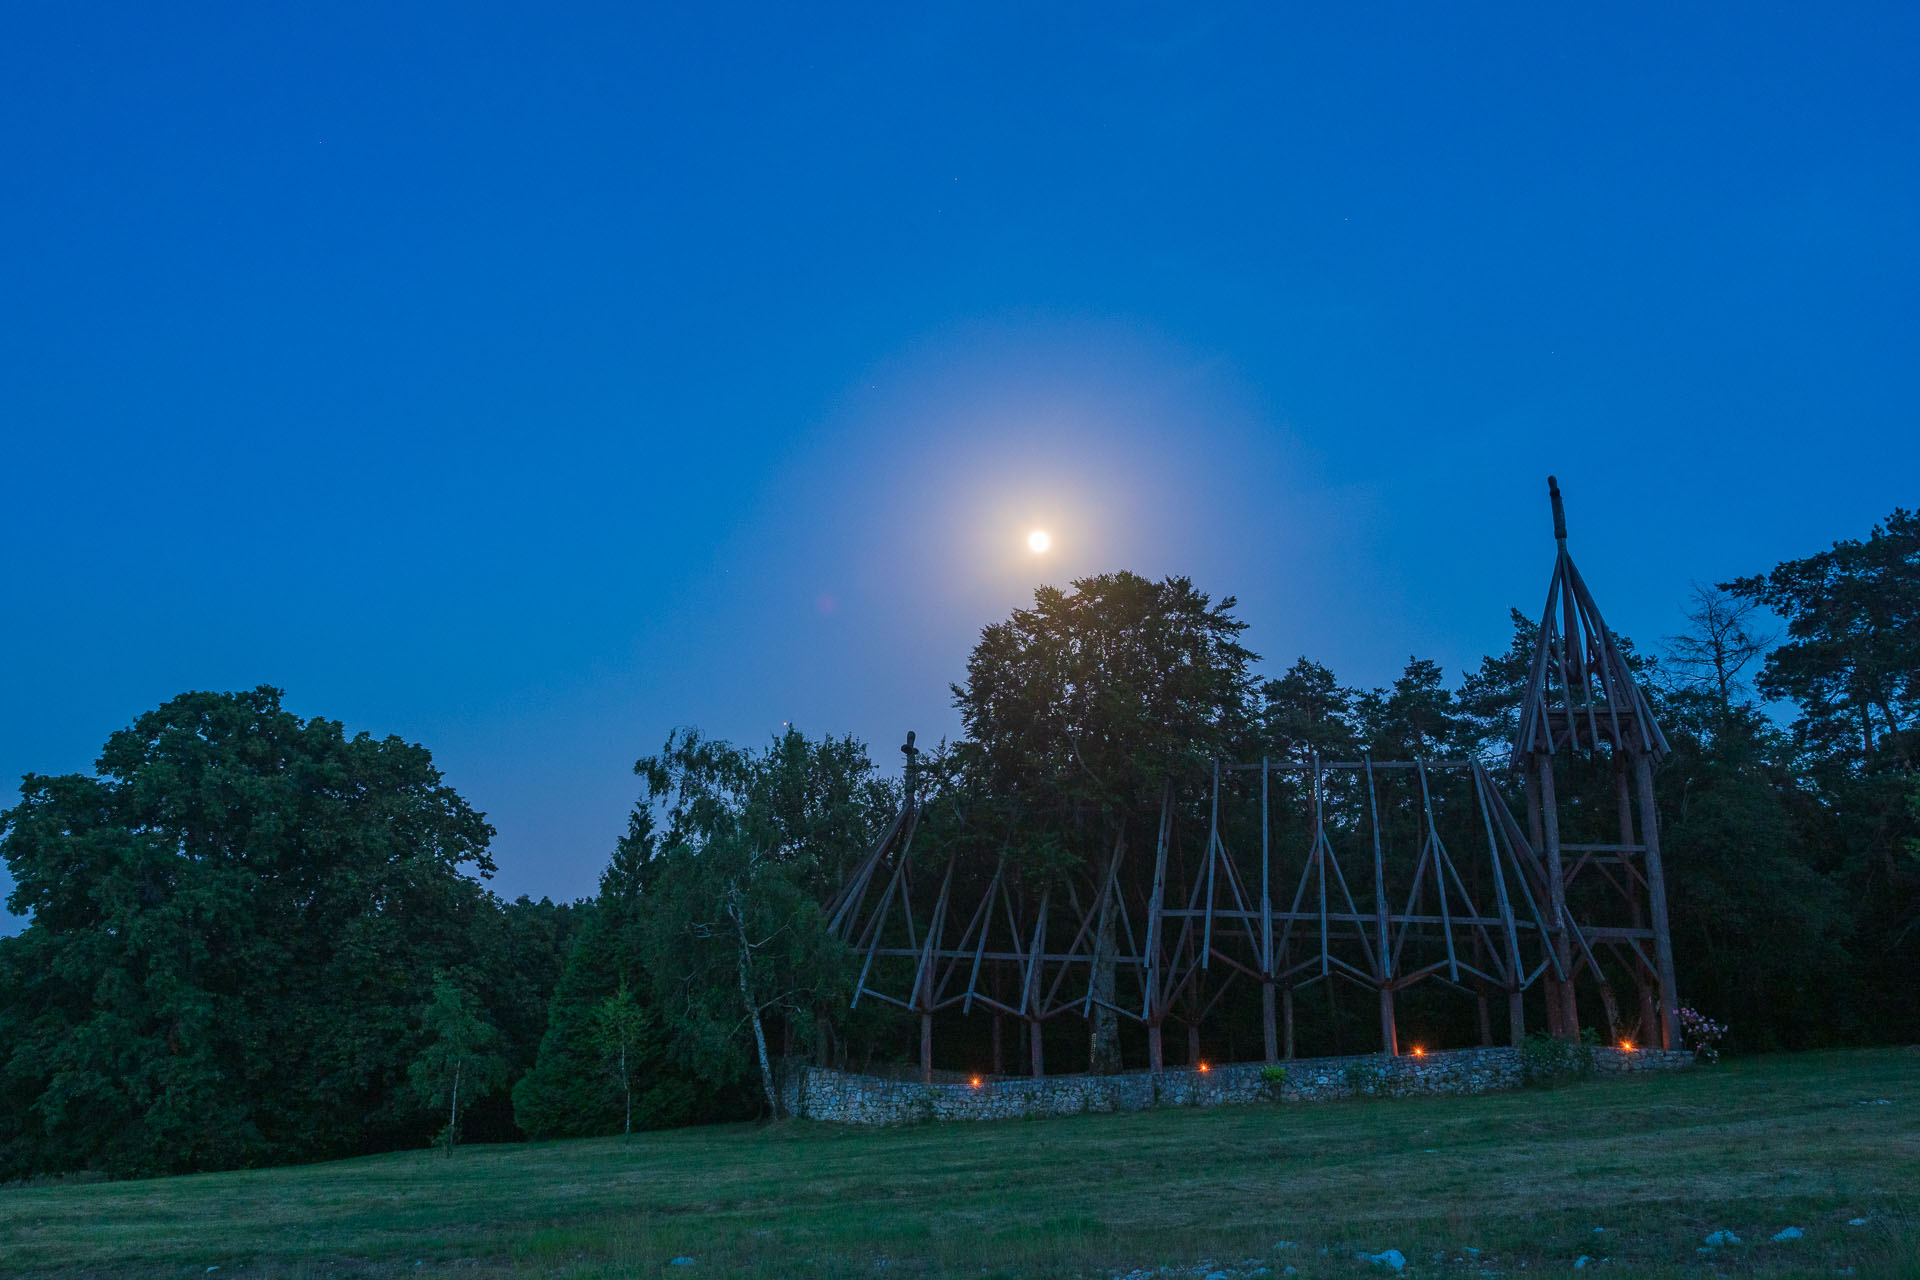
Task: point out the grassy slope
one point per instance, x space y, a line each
1753 1146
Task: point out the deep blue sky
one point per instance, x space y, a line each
529 380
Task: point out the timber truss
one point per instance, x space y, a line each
1379 874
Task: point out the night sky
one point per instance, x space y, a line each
528 380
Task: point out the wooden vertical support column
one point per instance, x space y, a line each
1536 832
1030 1000
1557 893
924 998
1657 901
1269 1038
1516 1018
1383 960
1193 1042
1646 1026
1153 1007
1286 1017
999 1053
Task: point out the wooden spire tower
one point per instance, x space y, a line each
1584 717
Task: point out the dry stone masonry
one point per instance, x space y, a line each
845 1098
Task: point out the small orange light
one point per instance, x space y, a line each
1627 1045
1203 1066
1418 1052
976 1082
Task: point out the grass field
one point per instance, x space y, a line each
1659 1162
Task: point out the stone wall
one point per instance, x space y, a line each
846 1098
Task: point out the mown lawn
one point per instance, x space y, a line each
1752 1147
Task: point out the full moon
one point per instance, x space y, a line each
1039 540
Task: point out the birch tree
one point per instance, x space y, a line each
736 944
461 1062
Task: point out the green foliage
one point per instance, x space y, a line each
1081 712
461 1060
232 927
1307 712
733 934
571 1091
1093 695
1273 1081
621 1026
1546 1061
1489 699
1851 661
1413 719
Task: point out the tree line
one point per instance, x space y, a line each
255 939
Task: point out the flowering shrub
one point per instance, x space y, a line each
1702 1033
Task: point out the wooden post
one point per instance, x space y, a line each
1268 1036
1657 901
999 1043
1486 1019
1516 1017
1156 1059
1557 893
1193 1043
1383 961
1536 832
1333 1017
926 1048
1030 1001
1646 1027
1286 1017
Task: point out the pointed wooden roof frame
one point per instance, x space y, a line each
1580 691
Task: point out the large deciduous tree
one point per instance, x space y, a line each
232 928
1851 664
1085 707
1851 659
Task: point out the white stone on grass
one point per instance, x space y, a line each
1791 1233
1581 1261
1387 1258
1719 1238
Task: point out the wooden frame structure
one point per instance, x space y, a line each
1584 712
1381 874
